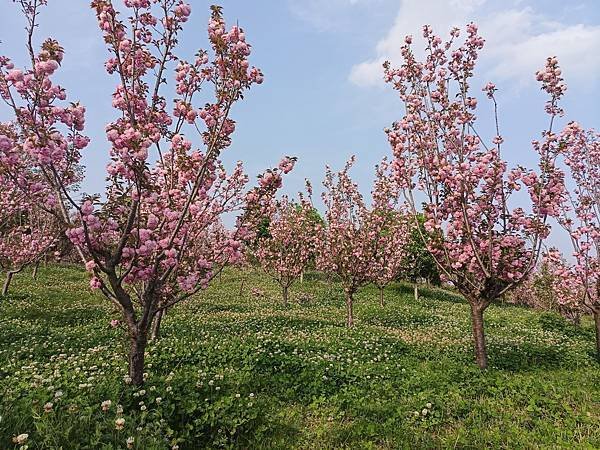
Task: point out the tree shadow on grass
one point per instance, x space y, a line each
429 292
531 357
395 319
61 317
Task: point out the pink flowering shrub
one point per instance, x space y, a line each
481 244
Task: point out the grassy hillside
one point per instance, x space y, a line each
242 371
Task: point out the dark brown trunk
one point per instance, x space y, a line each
416 291
136 358
285 295
155 334
597 322
349 309
479 335
381 297
7 281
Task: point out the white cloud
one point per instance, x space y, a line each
517 40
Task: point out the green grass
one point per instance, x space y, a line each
245 372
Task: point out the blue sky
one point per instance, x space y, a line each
323 99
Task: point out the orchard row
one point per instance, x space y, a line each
156 237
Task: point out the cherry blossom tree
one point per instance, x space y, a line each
26 238
145 244
287 248
347 240
391 230
580 217
40 150
480 244
418 264
542 289
568 289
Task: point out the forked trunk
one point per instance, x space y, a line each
136 358
349 309
479 335
155 334
381 298
597 322
416 291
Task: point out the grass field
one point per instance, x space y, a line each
245 372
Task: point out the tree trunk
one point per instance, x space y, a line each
242 286
9 276
349 310
35 270
302 277
416 291
479 335
285 295
155 334
381 299
597 322
136 358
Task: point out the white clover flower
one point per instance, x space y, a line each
130 440
21 439
119 423
48 407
